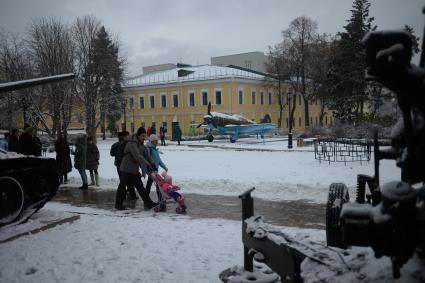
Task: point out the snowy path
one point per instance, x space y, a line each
283 213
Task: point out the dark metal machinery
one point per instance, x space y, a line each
26 182
390 218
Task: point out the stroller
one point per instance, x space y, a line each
167 193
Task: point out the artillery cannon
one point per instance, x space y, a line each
389 218
26 182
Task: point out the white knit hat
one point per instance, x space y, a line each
153 137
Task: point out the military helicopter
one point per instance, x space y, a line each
26 182
233 125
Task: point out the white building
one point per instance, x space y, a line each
251 60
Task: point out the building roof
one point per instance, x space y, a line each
196 73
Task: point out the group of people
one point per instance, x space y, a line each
133 156
25 142
86 157
133 159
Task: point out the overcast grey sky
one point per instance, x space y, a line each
192 31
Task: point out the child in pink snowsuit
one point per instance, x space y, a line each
165 181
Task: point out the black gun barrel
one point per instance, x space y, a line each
4 87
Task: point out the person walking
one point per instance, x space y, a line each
178 134
117 151
93 161
151 145
135 156
153 129
162 131
80 160
63 158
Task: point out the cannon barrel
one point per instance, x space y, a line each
10 86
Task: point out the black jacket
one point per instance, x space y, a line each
28 145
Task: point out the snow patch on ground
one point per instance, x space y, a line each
280 175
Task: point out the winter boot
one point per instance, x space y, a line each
96 176
92 179
84 187
181 209
131 194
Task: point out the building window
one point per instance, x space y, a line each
261 97
270 96
141 102
240 96
248 64
191 98
152 101
253 97
163 101
175 100
204 95
299 121
218 97
131 103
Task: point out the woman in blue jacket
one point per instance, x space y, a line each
153 151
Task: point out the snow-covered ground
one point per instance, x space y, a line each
227 169
109 246
134 246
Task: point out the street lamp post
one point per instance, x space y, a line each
288 100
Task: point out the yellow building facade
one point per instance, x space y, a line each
181 96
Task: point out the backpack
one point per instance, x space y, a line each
120 153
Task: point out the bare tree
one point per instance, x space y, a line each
296 49
84 33
52 48
275 67
323 52
15 65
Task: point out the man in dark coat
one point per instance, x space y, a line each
92 161
28 144
63 158
162 131
80 159
135 155
117 150
13 141
178 134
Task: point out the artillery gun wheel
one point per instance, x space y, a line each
338 195
11 200
210 138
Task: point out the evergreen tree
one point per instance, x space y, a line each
415 39
349 90
105 75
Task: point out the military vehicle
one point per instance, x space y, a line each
26 182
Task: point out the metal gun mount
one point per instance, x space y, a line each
26 182
390 218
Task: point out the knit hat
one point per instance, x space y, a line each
153 137
123 133
140 131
